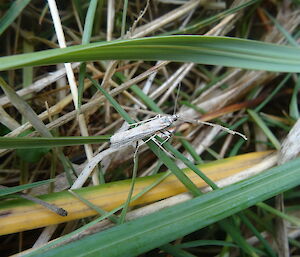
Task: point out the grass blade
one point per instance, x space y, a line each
111 195
264 128
37 142
232 52
16 189
14 11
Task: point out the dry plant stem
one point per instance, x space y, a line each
281 229
105 84
175 83
149 81
290 146
135 23
71 79
260 136
137 102
239 88
231 75
219 29
62 44
88 148
161 89
225 146
60 84
289 150
39 84
109 127
110 19
165 19
51 207
46 234
7 120
91 165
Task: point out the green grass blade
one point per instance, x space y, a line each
190 149
37 142
151 231
287 35
174 168
88 28
112 101
129 197
14 11
291 219
189 164
273 93
294 105
113 218
264 128
264 242
198 243
175 251
202 23
16 189
232 52
232 228
89 21
146 99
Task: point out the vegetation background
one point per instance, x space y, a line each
231 63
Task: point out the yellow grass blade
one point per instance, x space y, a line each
19 215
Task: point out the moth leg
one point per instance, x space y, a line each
165 134
160 146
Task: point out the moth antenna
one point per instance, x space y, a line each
230 131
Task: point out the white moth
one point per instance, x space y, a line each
146 129
151 127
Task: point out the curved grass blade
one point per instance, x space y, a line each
232 52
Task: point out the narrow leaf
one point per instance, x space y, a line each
232 52
12 190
